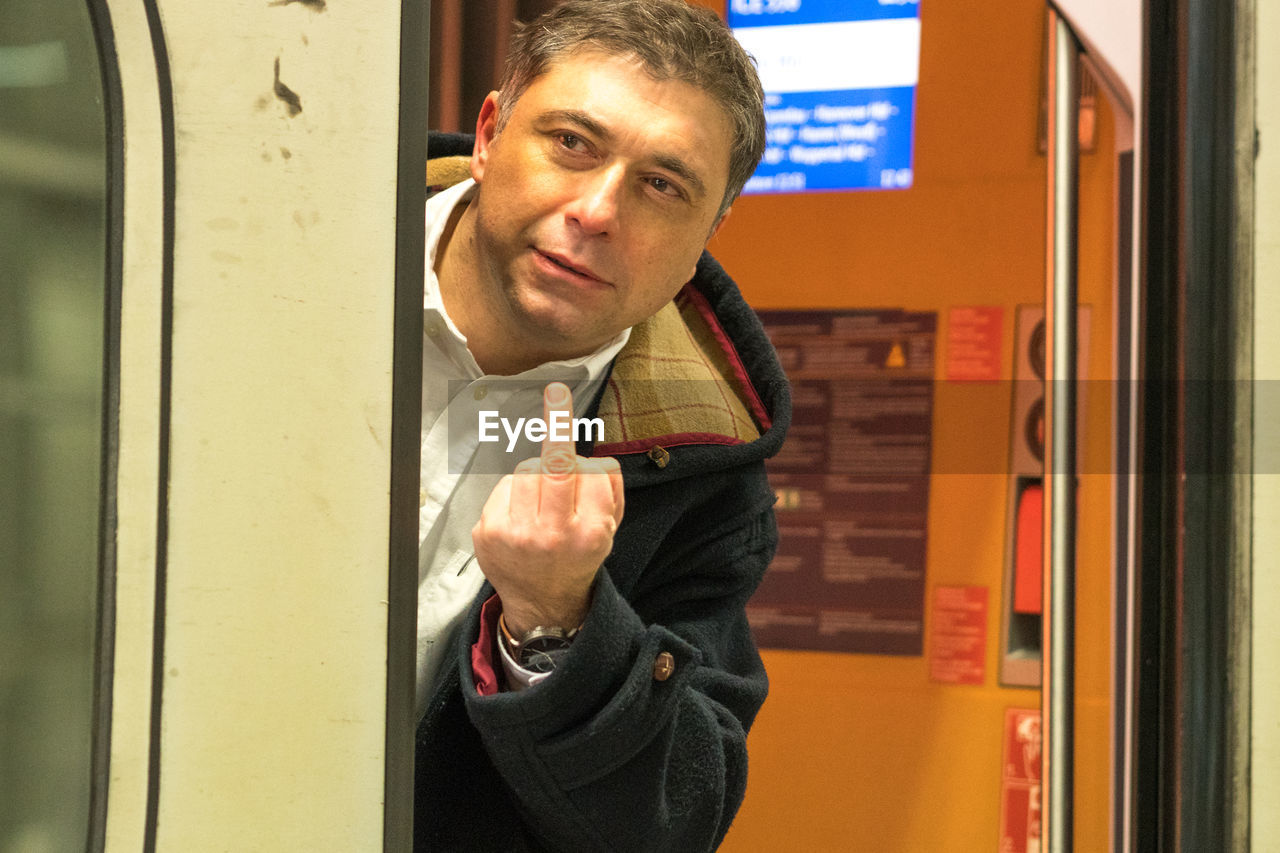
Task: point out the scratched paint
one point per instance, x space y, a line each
313 5
285 94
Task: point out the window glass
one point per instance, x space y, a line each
52 271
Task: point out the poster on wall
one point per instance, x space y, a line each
1020 822
840 86
852 481
958 644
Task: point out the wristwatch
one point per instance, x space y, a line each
538 649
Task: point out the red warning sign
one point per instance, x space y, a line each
1020 782
975 336
958 644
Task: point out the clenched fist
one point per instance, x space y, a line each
546 529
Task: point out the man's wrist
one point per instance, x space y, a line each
521 620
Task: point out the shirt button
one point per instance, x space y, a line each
663 666
481 392
433 328
422 498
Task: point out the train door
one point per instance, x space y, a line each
219 263
907 608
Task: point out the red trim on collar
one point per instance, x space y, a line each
703 307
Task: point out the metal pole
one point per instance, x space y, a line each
1058 641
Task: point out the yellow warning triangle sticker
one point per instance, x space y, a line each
896 357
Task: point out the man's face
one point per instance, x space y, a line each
596 199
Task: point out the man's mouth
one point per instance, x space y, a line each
564 263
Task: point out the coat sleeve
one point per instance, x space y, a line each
607 755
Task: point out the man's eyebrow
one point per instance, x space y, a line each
578 117
670 162
679 168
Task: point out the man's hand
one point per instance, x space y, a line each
546 529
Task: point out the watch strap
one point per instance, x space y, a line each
514 645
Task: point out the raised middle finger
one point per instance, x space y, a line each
559 458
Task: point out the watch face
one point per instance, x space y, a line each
542 653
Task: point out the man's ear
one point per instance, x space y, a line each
486 130
719 221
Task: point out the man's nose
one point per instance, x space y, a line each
597 205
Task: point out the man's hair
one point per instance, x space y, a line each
672 40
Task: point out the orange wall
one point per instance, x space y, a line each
862 752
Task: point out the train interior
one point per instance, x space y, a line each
901 622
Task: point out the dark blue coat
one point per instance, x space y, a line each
604 755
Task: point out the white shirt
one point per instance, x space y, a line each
458 470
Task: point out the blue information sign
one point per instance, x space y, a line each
840 82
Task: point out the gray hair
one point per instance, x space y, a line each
672 40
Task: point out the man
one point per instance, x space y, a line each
586 672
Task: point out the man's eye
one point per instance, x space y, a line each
570 141
664 186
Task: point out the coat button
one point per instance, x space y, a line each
659 455
663 666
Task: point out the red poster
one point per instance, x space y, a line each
1020 782
958 648
975 336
